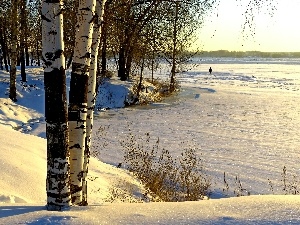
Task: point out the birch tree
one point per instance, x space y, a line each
77 110
91 95
58 170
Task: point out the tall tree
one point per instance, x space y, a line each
181 20
14 41
91 95
23 38
130 19
77 110
5 30
58 170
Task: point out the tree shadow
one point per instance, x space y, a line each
6 211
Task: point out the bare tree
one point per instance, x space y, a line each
182 19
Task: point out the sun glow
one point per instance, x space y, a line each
277 33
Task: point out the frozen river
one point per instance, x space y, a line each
244 118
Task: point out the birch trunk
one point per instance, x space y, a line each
14 40
91 95
58 170
77 110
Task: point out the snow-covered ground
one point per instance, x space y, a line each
244 119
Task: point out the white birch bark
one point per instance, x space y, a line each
91 95
78 95
58 171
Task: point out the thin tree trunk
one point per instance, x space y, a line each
14 39
2 48
104 48
58 170
173 70
121 64
5 52
129 58
1 64
91 95
38 53
22 38
140 81
78 95
22 61
104 41
19 57
27 58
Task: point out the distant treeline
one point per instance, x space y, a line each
237 54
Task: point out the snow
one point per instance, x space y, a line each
244 119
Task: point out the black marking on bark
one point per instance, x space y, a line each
75 146
45 18
73 115
49 55
52 32
84 203
86 56
48 63
81 127
55 96
58 53
60 12
79 176
86 9
80 69
74 189
61 165
94 19
91 108
76 66
57 196
57 177
78 89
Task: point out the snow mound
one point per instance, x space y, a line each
23 173
14 114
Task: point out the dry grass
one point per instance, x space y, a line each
166 178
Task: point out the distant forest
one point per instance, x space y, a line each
238 54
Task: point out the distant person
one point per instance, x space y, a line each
210 70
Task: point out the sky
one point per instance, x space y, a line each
222 29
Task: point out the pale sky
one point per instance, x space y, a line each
281 33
